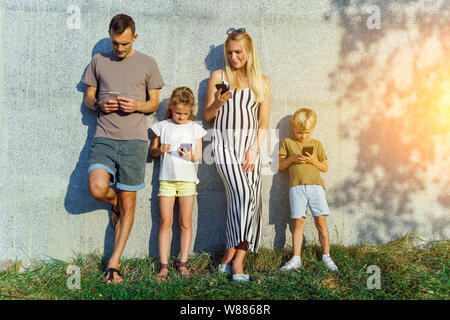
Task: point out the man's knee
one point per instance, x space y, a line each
98 189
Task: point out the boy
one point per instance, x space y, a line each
305 158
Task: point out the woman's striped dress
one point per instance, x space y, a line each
235 127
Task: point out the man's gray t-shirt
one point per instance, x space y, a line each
132 77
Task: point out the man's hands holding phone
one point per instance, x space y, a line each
115 103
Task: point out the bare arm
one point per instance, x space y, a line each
89 99
157 149
263 118
214 99
285 162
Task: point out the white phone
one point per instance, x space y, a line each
112 95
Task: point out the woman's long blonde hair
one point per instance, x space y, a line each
181 95
255 78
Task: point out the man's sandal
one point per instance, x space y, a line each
163 268
110 279
184 265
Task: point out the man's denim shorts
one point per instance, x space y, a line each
312 195
124 159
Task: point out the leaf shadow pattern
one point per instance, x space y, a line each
395 94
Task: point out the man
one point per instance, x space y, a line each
120 146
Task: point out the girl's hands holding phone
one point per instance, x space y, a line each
165 147
185 153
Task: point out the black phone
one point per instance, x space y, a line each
222 86
309 149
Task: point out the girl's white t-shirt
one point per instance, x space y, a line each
172 166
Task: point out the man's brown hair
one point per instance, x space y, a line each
120 22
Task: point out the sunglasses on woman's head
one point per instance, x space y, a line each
233 30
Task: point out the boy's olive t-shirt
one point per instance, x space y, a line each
300 174
132 77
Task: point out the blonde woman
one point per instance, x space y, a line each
241 119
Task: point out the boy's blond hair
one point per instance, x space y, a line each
304 119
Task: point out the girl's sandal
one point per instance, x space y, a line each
110 276
163 272
183 268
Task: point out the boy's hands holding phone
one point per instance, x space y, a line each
308 158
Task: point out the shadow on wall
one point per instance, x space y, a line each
211 202
279 192
398 88
78 199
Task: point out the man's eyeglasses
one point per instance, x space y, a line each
233 30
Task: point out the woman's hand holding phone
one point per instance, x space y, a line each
220 96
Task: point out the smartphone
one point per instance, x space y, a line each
222 86
309 149
113 95
187 146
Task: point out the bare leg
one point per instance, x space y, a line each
127 206
322 228
297 235
98 183
165 227
238 261
228 256
186 206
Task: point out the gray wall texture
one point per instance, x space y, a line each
376 73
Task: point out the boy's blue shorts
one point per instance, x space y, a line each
312 195
124 160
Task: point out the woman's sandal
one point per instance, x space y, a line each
184 265
110 279
163 272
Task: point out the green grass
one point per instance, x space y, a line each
406 273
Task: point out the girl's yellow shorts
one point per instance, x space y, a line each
177 188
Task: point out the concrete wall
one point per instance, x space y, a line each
380 88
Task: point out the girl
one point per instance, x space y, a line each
241 119
179 143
